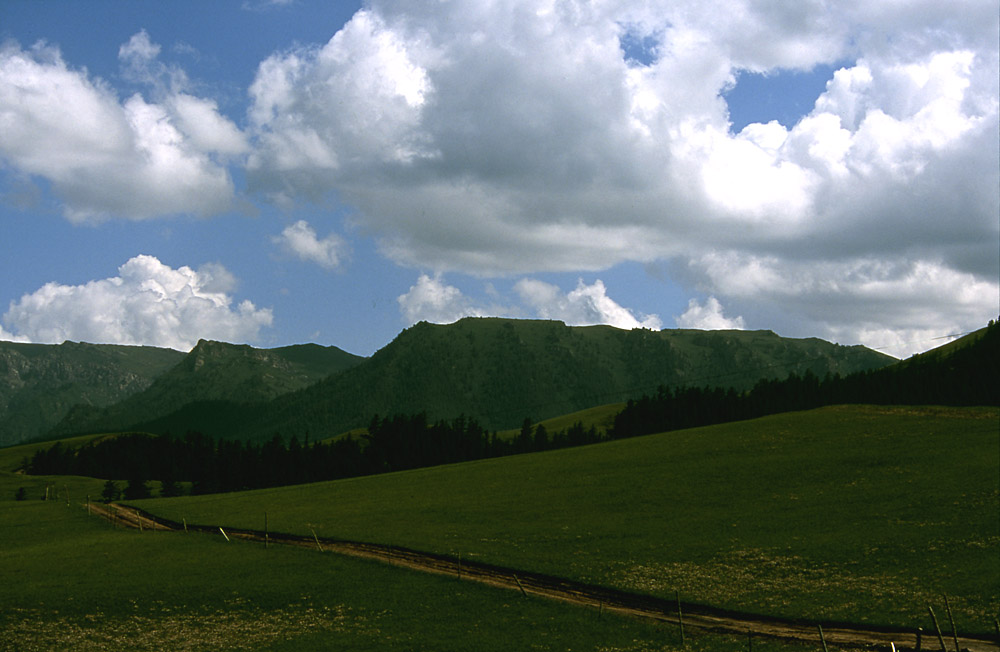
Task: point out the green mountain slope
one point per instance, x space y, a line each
501 370
39 383
215 371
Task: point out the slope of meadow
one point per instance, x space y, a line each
71 582
852 513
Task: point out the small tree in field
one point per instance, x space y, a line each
110 491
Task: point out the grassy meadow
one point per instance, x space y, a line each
856 513
601 417
69 582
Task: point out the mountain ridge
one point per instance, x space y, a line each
499 371
219 371
41 383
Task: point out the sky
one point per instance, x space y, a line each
279 172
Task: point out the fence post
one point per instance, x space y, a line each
822 638
951 619
937 627
680 615
920 637
265 531
520 586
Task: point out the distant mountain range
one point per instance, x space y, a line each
498 371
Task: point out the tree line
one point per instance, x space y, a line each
208 465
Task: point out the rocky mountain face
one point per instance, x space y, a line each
214 371
40 383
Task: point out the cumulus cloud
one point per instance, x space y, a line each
300 240
431 299
708 316
584 306
898 306
511 138
137 158
147 303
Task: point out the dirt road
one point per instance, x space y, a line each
694 616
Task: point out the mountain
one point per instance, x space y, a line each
499 371
39 383
215 371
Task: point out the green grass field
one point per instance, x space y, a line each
860 514
12 457
69 582
601 417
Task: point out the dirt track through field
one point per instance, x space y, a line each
694 616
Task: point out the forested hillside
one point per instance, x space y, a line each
217 371
498 371
39 383
963 373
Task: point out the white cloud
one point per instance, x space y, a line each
10 337
348 106
431 299
584 306
201 121
898 306
509 139
147 303
708 317
106 158
514 138
300 240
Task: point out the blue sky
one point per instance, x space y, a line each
283 172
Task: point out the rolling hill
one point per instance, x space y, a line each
499 371
851 513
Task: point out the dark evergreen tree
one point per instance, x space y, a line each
541 442
169 489
110 492
136 489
